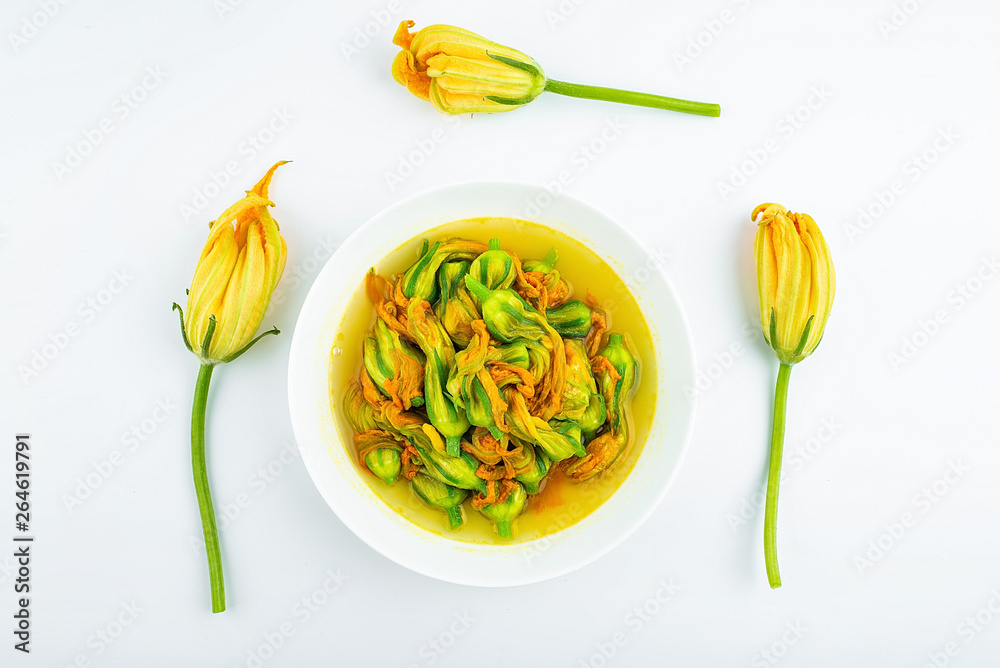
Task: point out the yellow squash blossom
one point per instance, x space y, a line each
238 270
460 72
795 283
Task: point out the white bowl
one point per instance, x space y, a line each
327 457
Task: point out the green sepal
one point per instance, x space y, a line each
274 330
517 64
187 344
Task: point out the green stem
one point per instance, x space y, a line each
774 476
633 98
454 517
202 490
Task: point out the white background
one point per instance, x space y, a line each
898 427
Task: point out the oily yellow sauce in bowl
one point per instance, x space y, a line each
561 501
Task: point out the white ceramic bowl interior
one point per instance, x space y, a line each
330 462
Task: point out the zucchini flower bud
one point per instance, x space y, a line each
795 284
395 366
506 509
617 380
436 494
238 270
455 307
795 281
460 72
580 383
571 320
420 280
494 268
424 327
379 452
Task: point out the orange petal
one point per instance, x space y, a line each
404 71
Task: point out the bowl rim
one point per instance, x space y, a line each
296 410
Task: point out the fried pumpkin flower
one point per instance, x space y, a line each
460 72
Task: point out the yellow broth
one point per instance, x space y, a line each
561 502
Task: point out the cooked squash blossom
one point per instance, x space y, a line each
580 383
593 417
395 366
420 280
510 503
571 320
796 284
380 452
543 266
430 335
472 385
494 268
473 395
238 270
533 477
437 494
455 307
508 318
460 72
618 380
